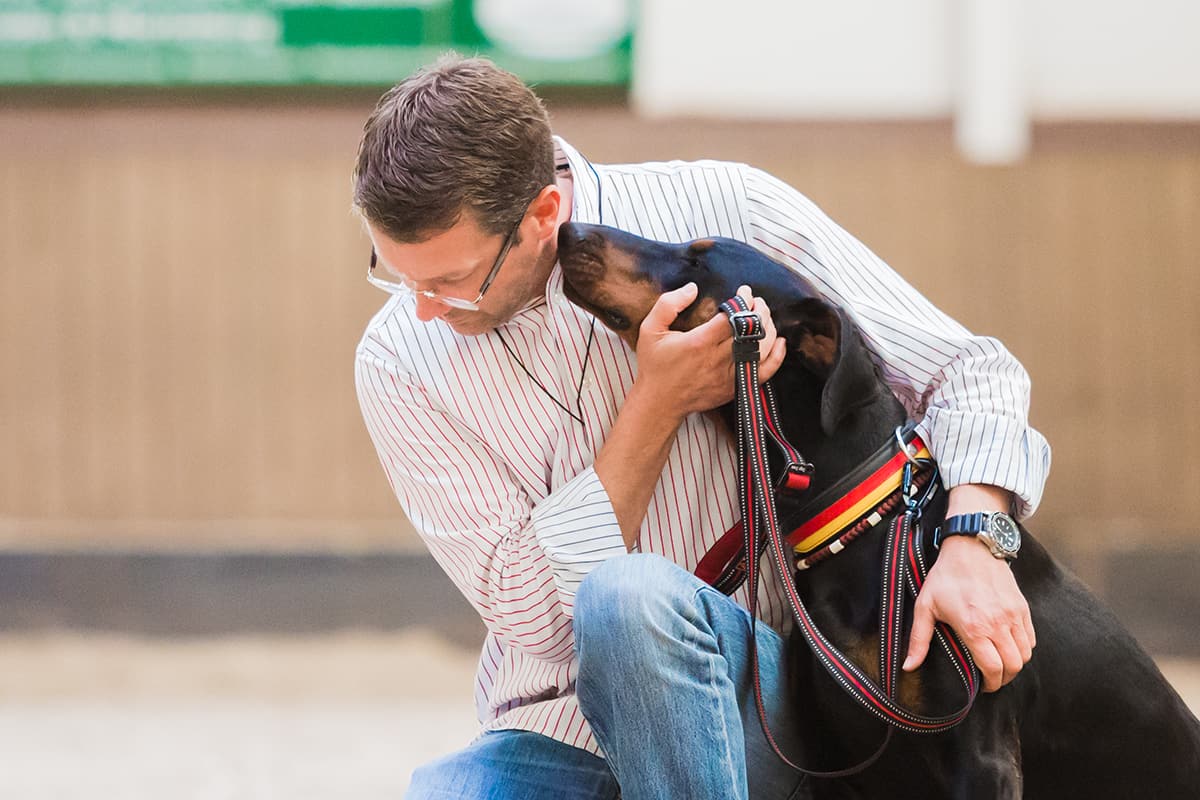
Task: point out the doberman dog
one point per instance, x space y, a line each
1090 716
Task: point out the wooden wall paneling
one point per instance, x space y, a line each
1181 340
40 380
1149 381
151 245
1047 308
182 291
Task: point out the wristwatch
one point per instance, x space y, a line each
995 529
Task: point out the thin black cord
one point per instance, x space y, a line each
587 355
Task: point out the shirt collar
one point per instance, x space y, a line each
586 198
586 202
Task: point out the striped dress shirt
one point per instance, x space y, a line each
497 478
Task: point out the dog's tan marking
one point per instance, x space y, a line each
912 694
864 652
701 312
817 348
623 288
702 245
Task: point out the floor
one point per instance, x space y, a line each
346 715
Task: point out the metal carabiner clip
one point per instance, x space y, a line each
909 454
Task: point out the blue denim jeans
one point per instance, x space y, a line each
665 681
515 764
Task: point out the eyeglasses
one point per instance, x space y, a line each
407 287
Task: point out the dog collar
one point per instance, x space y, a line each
855 496
871 489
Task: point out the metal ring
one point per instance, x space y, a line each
904 447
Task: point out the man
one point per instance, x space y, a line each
533 456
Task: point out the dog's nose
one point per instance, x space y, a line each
574 235
570 234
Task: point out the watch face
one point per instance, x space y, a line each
1004 532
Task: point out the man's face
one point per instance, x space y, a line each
455 263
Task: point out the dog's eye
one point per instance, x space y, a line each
617 320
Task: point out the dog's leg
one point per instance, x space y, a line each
984 762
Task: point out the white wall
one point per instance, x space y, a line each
1115 59
799 58
994 65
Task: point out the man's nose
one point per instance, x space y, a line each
428 310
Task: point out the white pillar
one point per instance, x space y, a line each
992 124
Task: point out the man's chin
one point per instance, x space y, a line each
472 325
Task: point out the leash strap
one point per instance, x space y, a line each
904 568
747 332
797 473
723 566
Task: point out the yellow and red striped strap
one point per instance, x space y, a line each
860 500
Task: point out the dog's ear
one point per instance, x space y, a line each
830 347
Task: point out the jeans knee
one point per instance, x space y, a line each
628 597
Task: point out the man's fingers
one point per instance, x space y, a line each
1021 638
1010 656
918 640
668 306
716 331
759 306
990 664
774 360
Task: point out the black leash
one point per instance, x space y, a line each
904 567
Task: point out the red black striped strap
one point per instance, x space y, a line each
904 569
797 473
723 566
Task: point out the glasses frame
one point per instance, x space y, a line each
396 287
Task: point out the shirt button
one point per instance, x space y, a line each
588 383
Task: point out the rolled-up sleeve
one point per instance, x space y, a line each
578 530
969 393
517 562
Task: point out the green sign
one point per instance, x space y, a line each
290 42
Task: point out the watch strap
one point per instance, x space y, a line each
965 524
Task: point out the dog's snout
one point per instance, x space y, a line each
571 235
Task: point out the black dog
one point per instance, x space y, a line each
1089 717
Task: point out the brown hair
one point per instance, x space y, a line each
460 134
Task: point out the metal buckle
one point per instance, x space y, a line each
744 337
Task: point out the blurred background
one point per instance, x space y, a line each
206 587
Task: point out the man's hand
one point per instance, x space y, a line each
692 371
678 373
974 593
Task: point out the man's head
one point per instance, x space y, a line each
452 160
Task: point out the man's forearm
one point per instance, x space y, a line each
632 459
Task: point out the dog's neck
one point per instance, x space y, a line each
857 437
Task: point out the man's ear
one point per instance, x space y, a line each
830 347
544 209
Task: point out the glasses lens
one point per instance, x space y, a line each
400 286
453 302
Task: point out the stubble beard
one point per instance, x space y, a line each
515 297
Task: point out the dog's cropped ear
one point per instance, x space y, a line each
830 347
